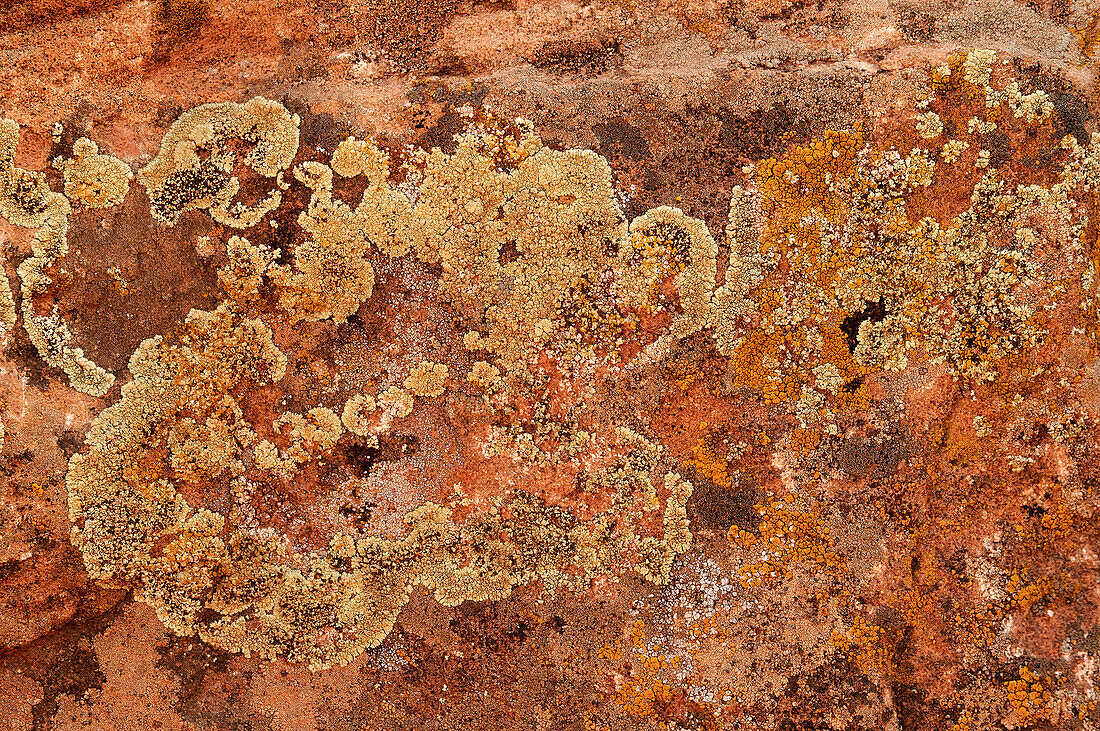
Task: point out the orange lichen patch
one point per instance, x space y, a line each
643 696
761 362
804 441
867 251
963 722
145 472
867 645
1029 696
810 171
1088 35
709 464
1059 524
785 538
1058 528
1023 593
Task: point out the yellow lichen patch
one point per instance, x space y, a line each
268 607
319 427
8 314
307 437
242 276
587 321
427 379
395 402
318 272
514 243
355 413
729 304
180 178
360 157
332 274
200 451
93 179
485 376
26 200
929 125
841 261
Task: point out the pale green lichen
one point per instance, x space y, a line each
179 422
730 305
93 179
179 178
427 379
24 195
8 315
48 333
929 125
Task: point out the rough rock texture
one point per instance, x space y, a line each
644 365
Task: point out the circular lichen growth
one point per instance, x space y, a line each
427 379
225 508
195 167
92 179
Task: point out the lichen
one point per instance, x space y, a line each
48 333
183 422
124 502
664 242
427 379
353 415
196 165
242 277
929 125
93 179
24 195
881 269
8 315
847 259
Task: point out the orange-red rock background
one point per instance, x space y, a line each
679 96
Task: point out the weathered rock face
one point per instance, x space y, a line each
484 365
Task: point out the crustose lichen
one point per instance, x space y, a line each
526 248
